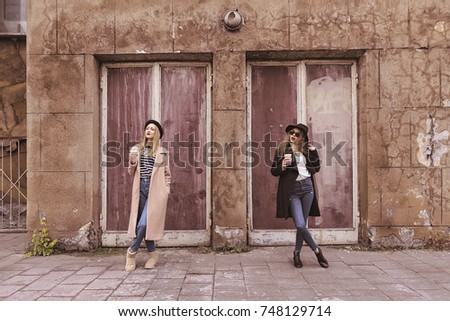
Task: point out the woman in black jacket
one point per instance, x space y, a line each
296 161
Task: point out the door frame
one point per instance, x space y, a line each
325 235
171 237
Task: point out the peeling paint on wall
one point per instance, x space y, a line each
406 235
372 234
440 26
431 146
86 239
389 212
233 236
423 214
416 192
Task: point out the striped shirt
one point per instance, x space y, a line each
146 164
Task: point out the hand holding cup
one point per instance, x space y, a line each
134 153
287 159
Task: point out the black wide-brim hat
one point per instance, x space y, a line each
299 126
157 124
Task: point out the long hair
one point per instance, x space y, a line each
154 144
301 143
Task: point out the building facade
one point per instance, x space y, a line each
370 78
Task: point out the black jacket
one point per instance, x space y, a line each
287 179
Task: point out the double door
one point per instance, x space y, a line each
178 96
322 95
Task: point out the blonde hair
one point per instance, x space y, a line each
155 142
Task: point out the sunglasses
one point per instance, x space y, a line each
293 132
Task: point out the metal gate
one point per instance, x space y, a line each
13 203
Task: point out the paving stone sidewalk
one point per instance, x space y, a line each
264 273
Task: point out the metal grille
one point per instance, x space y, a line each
13 203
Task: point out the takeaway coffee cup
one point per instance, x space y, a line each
288 158
134 153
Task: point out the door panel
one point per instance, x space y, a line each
274 104
329 114
183 113
129 106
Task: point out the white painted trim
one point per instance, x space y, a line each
287 237
115 65
301 105
209 86
103 139
356 213
170 239
249 136
156 89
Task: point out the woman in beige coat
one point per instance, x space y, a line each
149 166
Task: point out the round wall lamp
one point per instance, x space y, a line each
232 20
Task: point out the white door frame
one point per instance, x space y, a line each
326 235
171 237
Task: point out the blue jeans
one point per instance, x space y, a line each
300 204
141 227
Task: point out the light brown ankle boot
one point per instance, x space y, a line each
130 265
152 260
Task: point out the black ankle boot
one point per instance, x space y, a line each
322 260
297 262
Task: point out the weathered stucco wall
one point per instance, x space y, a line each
407 149
403 99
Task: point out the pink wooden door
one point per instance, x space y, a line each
183 114
128 107
274 104
328 113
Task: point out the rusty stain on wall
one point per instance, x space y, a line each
431 147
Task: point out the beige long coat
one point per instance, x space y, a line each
157 196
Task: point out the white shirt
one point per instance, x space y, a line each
301 166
